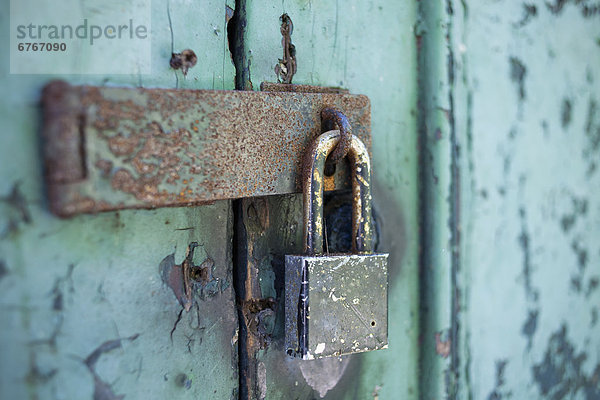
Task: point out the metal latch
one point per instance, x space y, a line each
109 148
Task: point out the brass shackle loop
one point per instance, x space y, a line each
313 183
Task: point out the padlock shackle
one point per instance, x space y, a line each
314 168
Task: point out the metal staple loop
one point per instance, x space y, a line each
286 68
313 186
330 118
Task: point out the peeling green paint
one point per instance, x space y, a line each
84 311
518 73
526 121
561 373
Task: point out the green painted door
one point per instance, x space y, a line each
88 310
486 147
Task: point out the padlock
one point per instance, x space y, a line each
335 304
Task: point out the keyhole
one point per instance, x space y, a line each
373 323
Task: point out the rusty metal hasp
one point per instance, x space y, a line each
109 148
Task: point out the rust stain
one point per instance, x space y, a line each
284 87
184 278
254 312
63 158
328 183
122 146
332 118
442 347
183 61
105 167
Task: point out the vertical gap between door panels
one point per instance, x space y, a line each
236 39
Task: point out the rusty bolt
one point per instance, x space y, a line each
184 60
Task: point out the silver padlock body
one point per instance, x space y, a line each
346 310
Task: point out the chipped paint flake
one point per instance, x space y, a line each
320 348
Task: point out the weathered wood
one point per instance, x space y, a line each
512 199
528 126
437 197
330 51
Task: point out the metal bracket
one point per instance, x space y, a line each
109 148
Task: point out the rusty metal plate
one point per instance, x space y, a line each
292 87
109 148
